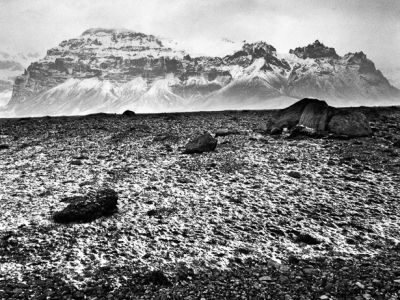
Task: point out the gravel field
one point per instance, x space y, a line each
261 217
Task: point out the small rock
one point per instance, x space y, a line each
360 285
129 113
265 278
76 162
200 144
295 174
158 278
309 271
88 208
308 239
276 131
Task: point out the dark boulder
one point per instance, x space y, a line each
276 130
315 118
308 239
295 174
200 144
311 113
4 147
129 113
88 208
349 123
290 116
315 115
157 277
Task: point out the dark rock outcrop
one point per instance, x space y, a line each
351 124
129 113
310 113
315 50
200 144
88 208
315 118
308 239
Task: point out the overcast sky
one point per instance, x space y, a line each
372 26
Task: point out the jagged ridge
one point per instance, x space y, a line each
170 79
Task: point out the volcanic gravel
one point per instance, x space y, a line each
261 217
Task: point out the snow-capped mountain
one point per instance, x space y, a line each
108 70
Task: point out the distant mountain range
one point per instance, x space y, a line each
11 66
108 70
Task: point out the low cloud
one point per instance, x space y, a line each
367 25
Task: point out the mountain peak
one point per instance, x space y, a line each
110 31
315 50
259 49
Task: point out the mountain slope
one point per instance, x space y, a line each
111 70
10 67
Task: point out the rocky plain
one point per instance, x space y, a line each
260 217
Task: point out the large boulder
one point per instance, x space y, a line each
349 123
129 113
88 208
200 144
310 113
315 118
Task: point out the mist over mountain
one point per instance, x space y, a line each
393 75
111 70
11 66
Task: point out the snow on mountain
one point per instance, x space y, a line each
393 75
110 70
12 65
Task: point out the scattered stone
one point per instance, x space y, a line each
265 278
396 144
81 157
200 144
360 285
129 113
295 174
308 239
157 278
276 131
310 271
76 162
88 208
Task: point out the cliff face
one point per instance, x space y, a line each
111 70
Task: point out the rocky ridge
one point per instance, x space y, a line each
113 70
12 66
